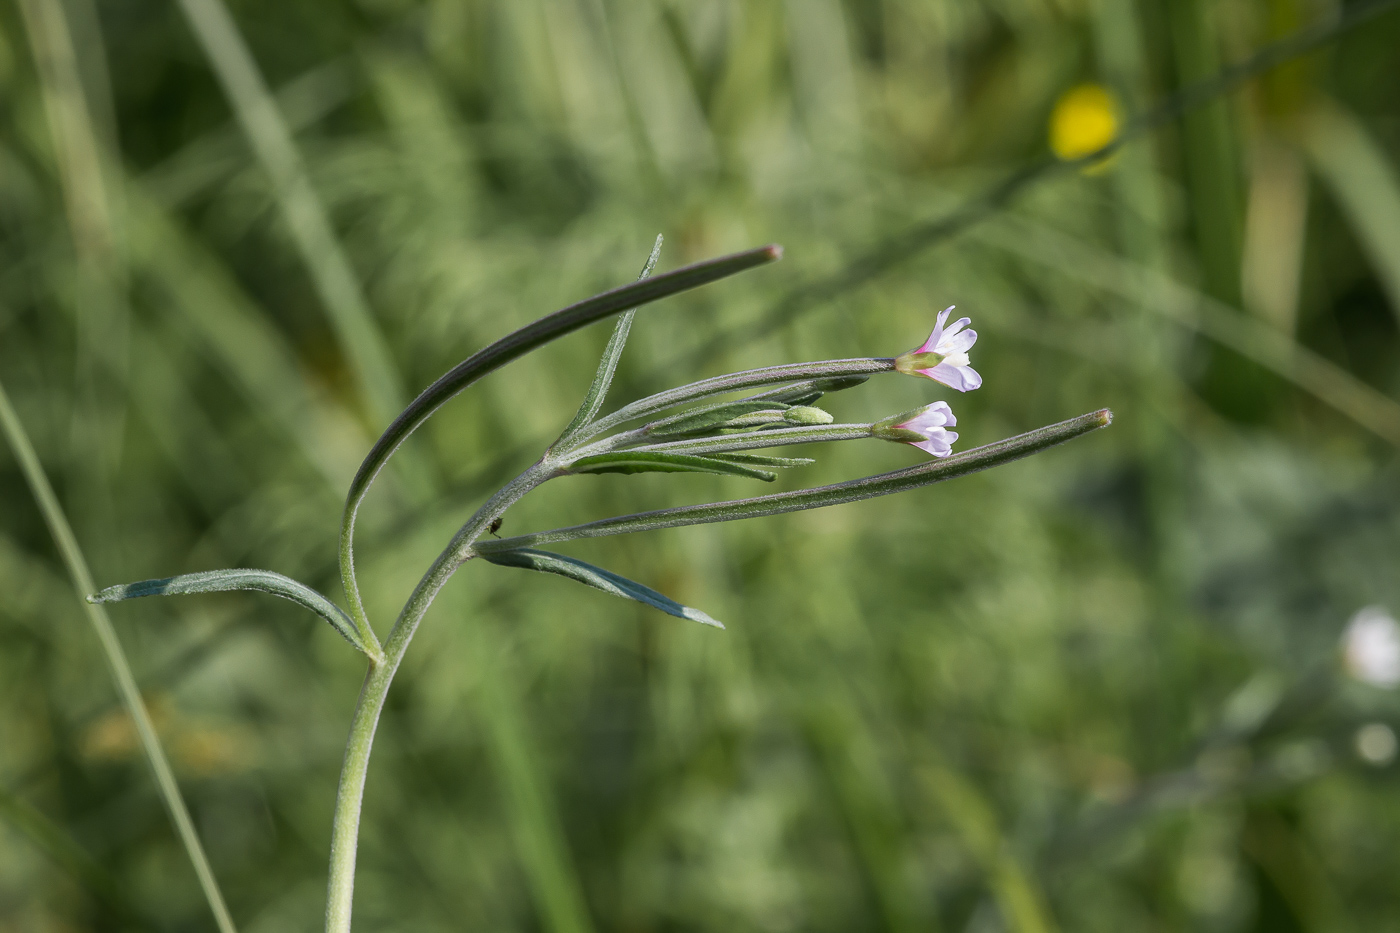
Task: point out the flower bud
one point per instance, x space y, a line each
754 419
805 414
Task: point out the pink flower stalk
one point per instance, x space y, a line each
932 422
943 356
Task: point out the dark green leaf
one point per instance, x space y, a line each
647 461
597 577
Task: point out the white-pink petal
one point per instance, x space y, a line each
931 344
962 378
940 444
932 423
957 342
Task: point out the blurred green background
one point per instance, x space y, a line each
1095 690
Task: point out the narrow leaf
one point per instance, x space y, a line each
223 581
597 577
607 366
708 418
808 391
628 461
762 460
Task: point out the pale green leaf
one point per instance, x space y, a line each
223 581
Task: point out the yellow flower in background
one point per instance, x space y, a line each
1085 119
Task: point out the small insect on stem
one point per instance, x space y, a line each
495 526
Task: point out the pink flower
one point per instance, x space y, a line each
932 422
943 356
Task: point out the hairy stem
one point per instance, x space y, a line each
345 831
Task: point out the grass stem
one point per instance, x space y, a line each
78 571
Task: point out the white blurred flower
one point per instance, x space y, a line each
1375 742
1371 647
932 422
943 356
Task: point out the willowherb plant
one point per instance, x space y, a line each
666 432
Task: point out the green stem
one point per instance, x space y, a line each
78 572
345 831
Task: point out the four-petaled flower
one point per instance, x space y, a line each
943 356
932 422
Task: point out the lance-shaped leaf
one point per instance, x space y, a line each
512 347
809 390
709 418
607 366
261 581
597 577
763 460
645 461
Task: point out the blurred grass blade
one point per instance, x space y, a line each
535 823
598 578
1021 902
212 158
511 347
59 846
240 340
644 461
78 571
98 287
331 273
1251 338
883 484
1210 151
607 366
260 581
1365 184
